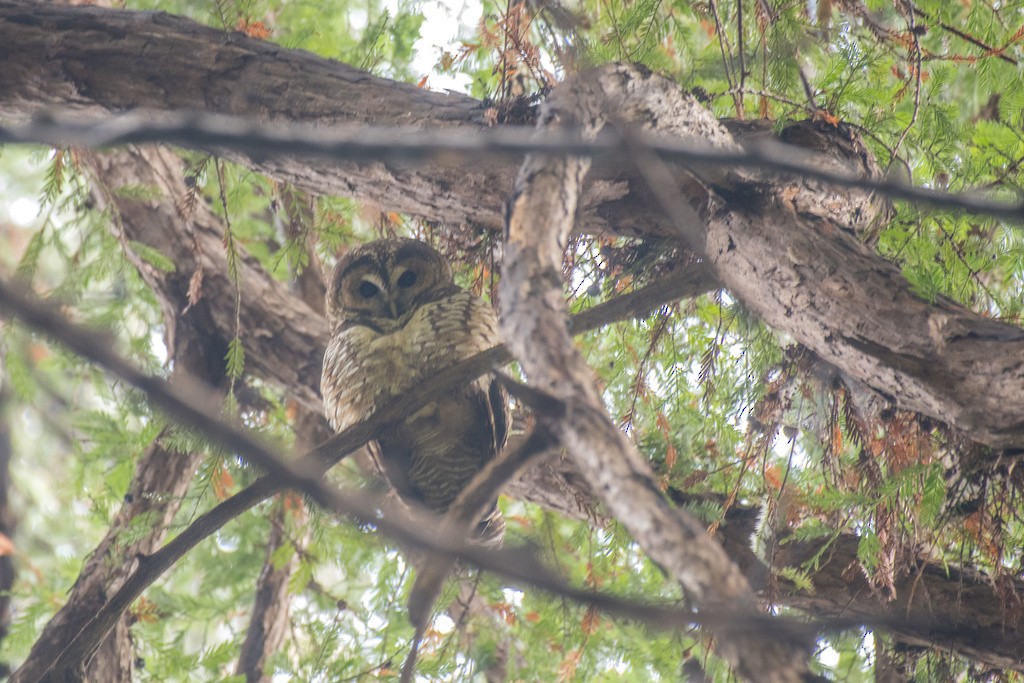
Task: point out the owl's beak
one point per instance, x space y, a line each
394 309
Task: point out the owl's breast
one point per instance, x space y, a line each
363 368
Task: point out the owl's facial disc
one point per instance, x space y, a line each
381 283
369 293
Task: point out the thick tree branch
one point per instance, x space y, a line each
250 78
156 492
555 484
44 48
151 565
362 144
327 454
51 58
195 68
858 313
936 605
533 325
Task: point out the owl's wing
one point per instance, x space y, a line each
490 530
500 415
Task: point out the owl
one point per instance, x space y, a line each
396 317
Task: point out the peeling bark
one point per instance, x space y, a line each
533 325
194 67
857 312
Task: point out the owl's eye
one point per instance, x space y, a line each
367 289
407 279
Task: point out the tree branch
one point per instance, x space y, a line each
46 69
459 521
839 310
362 144
554 484
532 322
325 456
188 403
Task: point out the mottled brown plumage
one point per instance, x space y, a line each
397 316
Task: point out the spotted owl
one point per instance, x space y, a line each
397 316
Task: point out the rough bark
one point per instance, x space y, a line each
799 274
284 338
936 606
162 475
88 59
533 324
556 484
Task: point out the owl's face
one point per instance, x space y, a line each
380 282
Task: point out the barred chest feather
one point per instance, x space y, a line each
364 368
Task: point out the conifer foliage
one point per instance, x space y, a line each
814 356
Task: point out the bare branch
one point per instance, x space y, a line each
962 369
533 325
815 292
219 133
459 520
